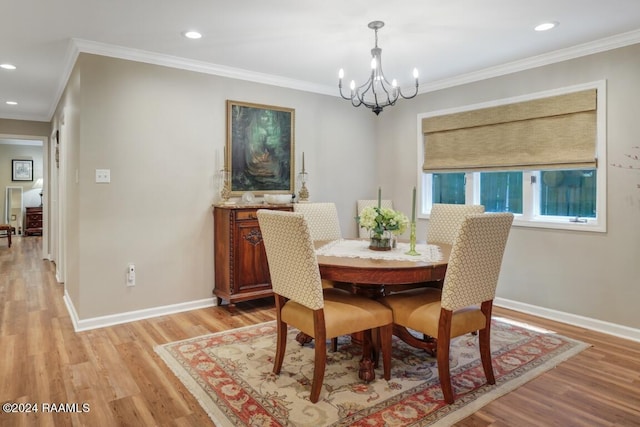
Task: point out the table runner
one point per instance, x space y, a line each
360 249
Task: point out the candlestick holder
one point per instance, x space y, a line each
225 190
303 194
412 241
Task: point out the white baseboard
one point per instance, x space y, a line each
130 316
572 319
559 316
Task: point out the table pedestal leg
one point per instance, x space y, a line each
303 338
366 372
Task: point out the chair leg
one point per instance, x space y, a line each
281 346
485 344
485 355
386 333
443 369
320 361
281 337
375 346
334 344
442 356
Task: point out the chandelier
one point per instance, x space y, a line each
377 92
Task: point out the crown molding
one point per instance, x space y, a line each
138 55
602 45
77 46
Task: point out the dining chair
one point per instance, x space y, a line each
361 204
445 220
324 224
464 303
301 302
322 219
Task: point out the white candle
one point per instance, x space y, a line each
226 159
303 162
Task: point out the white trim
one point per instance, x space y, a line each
558 316
198 66
603 45
79 45
608 328
131 316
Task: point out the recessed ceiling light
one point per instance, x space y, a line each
12 103
8 66
192 35
546 26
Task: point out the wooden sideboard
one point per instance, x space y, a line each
241 269
33 224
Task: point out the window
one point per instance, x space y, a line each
501 191
559 195
570 197
448 188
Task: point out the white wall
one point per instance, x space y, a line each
595 275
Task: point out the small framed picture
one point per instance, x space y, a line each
22 170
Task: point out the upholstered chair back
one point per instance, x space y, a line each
361 204
322 219
475 261
445 220
291 256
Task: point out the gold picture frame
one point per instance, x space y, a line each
260 148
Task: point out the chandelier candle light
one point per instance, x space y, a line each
376 93
412 236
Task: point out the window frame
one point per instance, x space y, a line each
530 216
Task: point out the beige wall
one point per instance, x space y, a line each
158 130
595 275
10 127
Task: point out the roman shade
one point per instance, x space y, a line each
557 132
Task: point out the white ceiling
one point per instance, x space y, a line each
295 43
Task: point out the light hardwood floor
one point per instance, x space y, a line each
116 371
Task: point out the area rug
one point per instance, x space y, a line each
230 374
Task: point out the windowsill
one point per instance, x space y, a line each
518 221
590 225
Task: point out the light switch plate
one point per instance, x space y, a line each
103 176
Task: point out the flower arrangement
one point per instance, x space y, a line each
378 220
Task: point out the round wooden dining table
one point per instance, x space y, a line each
377 277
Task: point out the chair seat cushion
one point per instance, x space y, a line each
344 313
419 310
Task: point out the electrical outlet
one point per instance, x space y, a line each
103 176
131 274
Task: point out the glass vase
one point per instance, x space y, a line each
380 242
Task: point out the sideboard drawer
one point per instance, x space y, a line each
246 215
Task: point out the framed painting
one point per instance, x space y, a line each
22 170
260 148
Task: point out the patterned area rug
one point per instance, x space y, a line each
230 375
